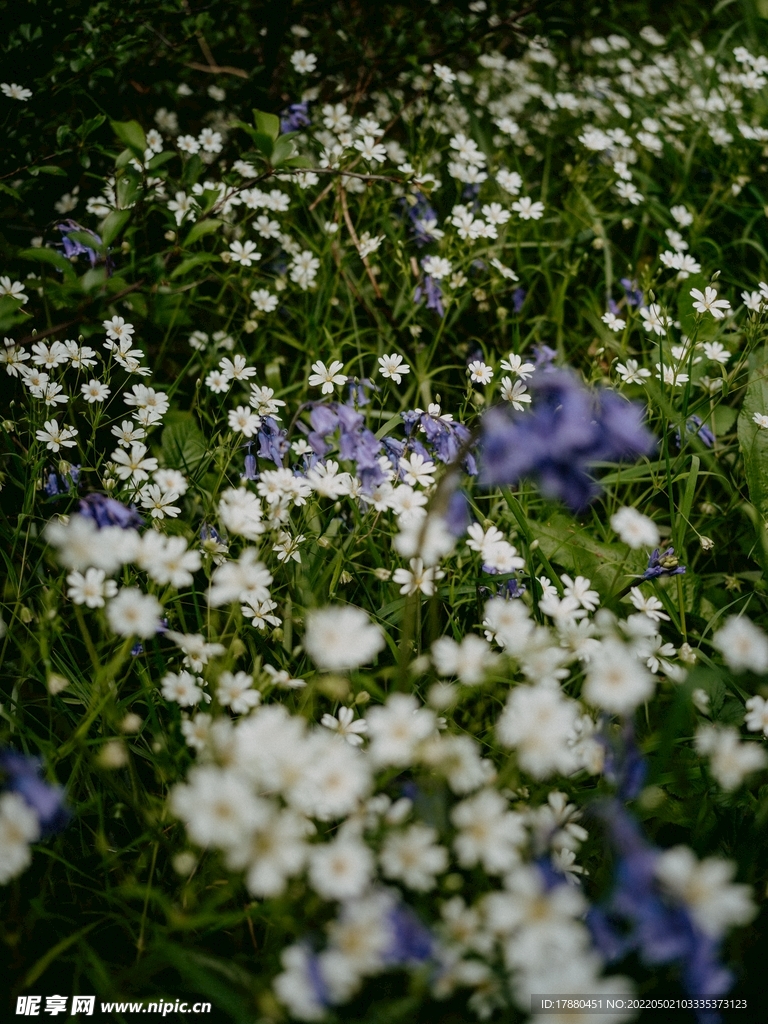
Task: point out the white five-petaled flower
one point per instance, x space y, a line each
90 589
117 329
526 209
345 725
515 392
391 367
94 391
303 62
708 302
15 92
615 323
761 419
56 437
328 376
654 320
480 372
631 373
244 252
417 578
371 150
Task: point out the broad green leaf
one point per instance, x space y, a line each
50 256
284 150
114 224
195 261
753 440
203 227
131 134
183 444
10 313
128 186
268 124
52 169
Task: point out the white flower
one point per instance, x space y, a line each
705 886
682 215
169 479
479 372
756 719
671 376
15 92
413 857
417 470
159 502
236 692
537 721
397 728
470 660
327 377
56 437
95 391
345 725
133 464
761 419
210 140
578 589
13 288
437 267
708 302
730 760
342 869
244 420
392 367
510 181
628 190
303 62
489 834
371 150
244 253
132 613
264 300
19 826
117 329
616 681
218 807
614 322
526 209
631 372
654 320
515 364
341 637
182 205
417 578
650 606
181 687
743 645
90 589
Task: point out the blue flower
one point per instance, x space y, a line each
75 247
23 775
632 292
273 440
420 215
665 563
412 943
695 425
250 470
105 511
295 118
568 430
518 298
431 290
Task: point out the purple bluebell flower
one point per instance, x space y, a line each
250 471
638 917
106 511
137 649
209 533
470 192
273 440
295 118
421 216
695 425
412 942
664 563
613 306
456 516
511 589
75 247
357 390
569 428
23 775
430 290
518 298
633 294
543 354
624 765
56 484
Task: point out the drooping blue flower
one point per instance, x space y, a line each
569 428
695 426
58 483
357 390
543 355
633 294
295 117
430 290
250 470
357 443
664 563
273 440
422 217
412 942
518 298
76 247
23 775
106 511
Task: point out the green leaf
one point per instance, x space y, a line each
114 224
128 185
9 191
50 256
87 238
90 126
131 134
160 159
52 169
183 444
203 227
284 150
268 124
10 312
195 261
753 440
